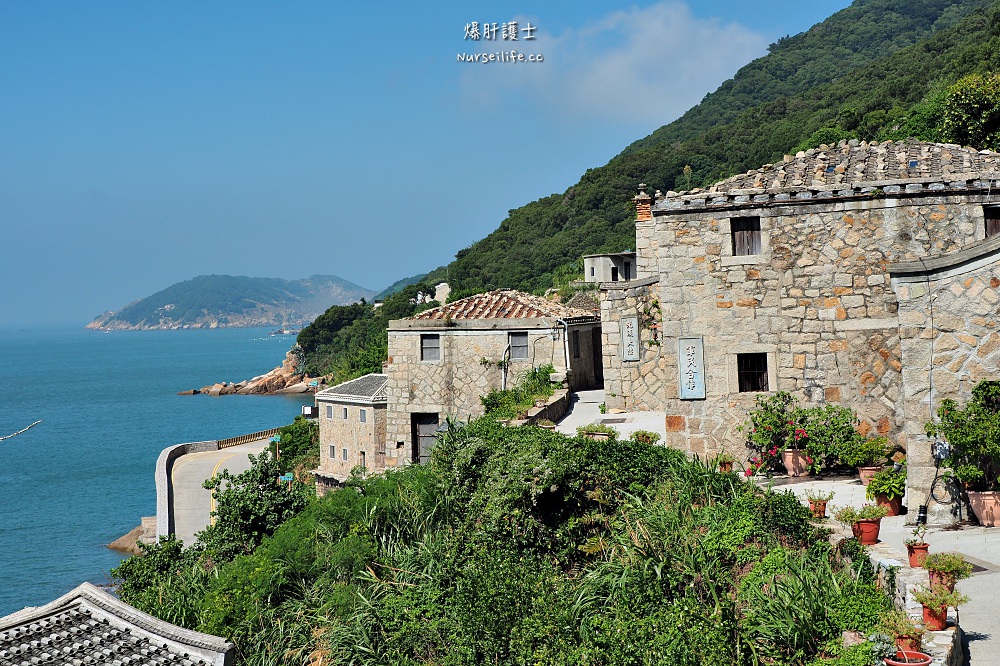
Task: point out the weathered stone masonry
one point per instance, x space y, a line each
818 299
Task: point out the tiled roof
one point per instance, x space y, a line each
584 300
371 386
90 626
503 304
866 163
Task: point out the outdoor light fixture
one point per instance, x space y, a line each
922 515
941 450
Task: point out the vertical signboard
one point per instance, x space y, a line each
691 362
630 338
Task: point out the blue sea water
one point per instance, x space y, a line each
84 476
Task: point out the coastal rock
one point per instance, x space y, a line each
284 379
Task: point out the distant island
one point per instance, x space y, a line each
224 301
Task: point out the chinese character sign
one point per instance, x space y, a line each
691 363
630 338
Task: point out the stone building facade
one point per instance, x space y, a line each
609 267
443 360
816 276
352 420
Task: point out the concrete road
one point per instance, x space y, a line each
192 503
585 408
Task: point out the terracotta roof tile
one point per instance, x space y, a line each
503 304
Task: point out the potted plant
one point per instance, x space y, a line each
597 431
865 522
646 436
936 602
818 501
868 455
887 488
907 633
916 547
973 434
944 569
725 462
908 658
546 424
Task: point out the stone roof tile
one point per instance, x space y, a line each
371 386
836 170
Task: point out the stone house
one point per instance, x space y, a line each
352 418
861 274
609 267
443 360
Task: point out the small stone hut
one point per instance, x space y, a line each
862 274
443 360
352 419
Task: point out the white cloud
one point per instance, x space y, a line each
642 65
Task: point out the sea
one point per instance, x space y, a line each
108 405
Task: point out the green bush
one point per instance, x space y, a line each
973 432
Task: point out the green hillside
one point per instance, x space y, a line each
228 300
856 74
876 70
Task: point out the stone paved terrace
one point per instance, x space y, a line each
979 619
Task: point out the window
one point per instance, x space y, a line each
430 347
343 453
591 271
345 413
627 273
333 452
614 274
746 235
576 344
363 415
992 215
329 411
751 371
518 346
363 465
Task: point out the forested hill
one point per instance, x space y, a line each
870 71
210 301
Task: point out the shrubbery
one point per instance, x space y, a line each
519 545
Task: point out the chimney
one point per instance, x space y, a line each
643 205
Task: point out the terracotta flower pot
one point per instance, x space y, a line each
941 579
986 506
866 531
917 553
818 508
795 462
909 658
866 474
935 619
895 505
908 643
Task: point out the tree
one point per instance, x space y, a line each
971 114
250 506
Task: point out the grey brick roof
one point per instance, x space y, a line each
371 386
90 626
849 170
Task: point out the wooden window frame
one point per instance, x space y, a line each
991 220
428 352
745 235
523 354
752 372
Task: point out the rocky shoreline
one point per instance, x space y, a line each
284 379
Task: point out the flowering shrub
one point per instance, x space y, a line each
827 434
974 434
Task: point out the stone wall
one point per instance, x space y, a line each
950 342
338 433
817 300
468 369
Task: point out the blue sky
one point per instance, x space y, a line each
144 143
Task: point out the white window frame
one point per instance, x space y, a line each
329 411
363 415
344 453
345 413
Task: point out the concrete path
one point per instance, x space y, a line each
193 504
980 618
584 409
